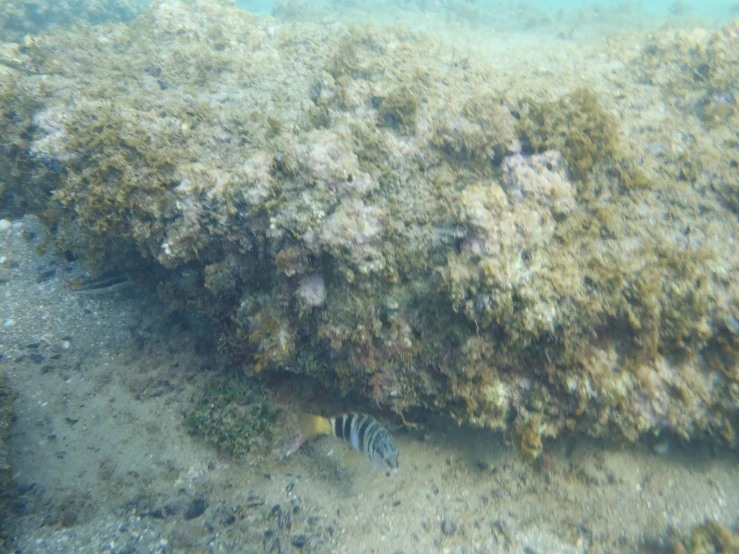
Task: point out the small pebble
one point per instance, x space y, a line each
298 541
196 509
448 527
5 225
9 322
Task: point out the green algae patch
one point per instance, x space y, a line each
480 136
234 414
710 538
398 109
123 172
576 125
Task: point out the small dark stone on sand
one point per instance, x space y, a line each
38 358
299 541
285 521
46 275
448 527
196 509
271 542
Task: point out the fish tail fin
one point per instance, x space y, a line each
314 425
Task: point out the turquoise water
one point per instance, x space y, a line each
661 8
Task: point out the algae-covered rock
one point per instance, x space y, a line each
710 538
347 204
697 73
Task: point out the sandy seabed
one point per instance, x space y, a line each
105 463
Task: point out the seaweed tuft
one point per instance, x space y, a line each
235 414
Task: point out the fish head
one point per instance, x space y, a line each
386 453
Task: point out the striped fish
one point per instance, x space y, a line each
108 282
363 432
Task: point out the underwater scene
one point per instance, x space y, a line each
400 276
